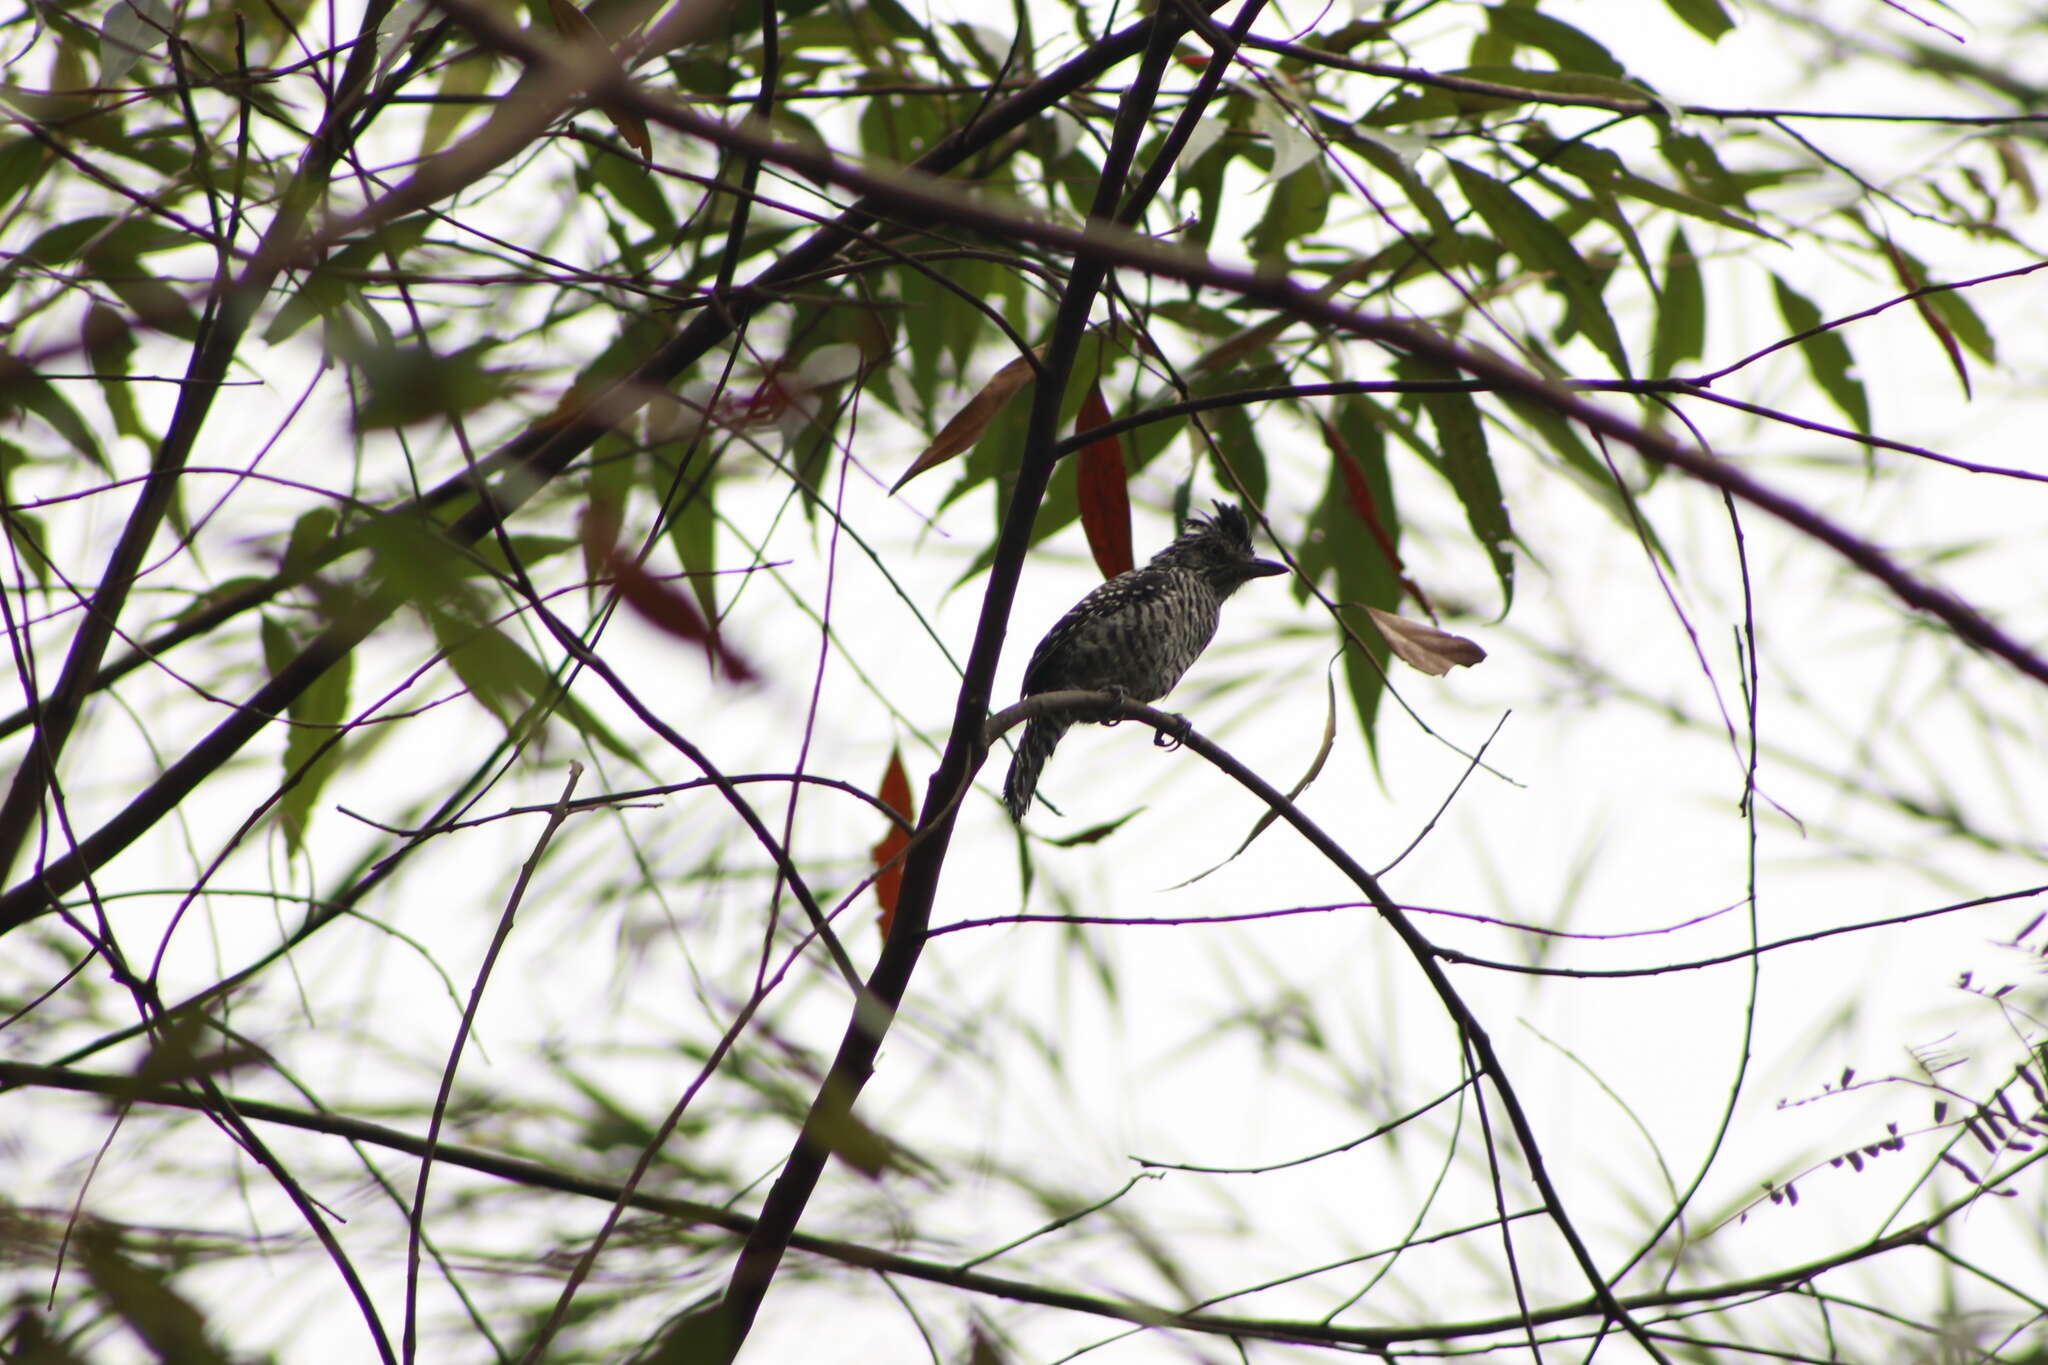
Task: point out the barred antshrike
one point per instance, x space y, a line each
1136 634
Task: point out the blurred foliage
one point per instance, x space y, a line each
369 314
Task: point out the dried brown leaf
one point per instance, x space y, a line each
1425 648
968 424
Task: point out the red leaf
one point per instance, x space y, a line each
1104 490
1367 508
895 794
658 603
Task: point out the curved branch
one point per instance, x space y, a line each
1424 952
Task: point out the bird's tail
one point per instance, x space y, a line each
1041 736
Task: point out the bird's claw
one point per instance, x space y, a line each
1175 737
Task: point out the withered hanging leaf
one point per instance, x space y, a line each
1103 489
967 425
1315 769
1432 651
888 854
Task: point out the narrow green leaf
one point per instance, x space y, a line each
142 1297
1542 83
1693 157
1955 310
1364 575
1467 465
158 304
466 76
1401 169
1240 459
41 397
310 536
1571 48
312 744
634 187
499 675
1295 210
1538 244
1827 355
110 343
693 532
1704 17
408 384
326 288
1601 169
21 164
1681 309
1663 196
1584 468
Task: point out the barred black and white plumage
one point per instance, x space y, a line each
1136 634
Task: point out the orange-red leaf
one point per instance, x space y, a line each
1104 490
895 794
968 424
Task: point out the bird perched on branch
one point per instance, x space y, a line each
1136 634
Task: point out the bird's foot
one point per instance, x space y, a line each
1175 737
1121 697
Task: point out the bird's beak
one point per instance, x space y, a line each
1263 568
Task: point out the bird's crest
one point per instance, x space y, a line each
1227 531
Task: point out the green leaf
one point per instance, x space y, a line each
1961 318
1239 458
326 288
142 1297
1538 244
1401 169
158 304
1539 83
1295 210
1417 106
312 746
21 164
693 532
465 76
1340 541
110 346
39 396
1466 464
499 675
1663 196
1828 358
503 678
1570 48
527 547
633 186
1694 159
310 536
1585 469
1681 309
1603 170
1704 17
410 384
